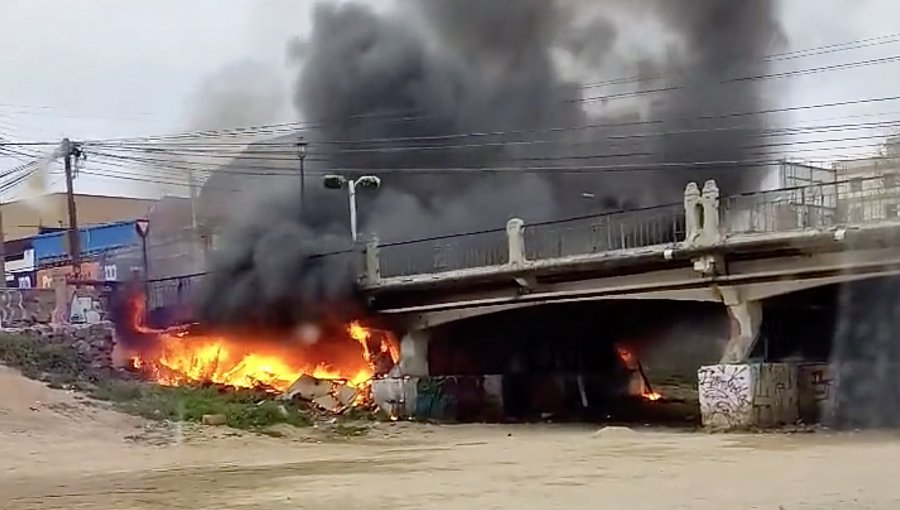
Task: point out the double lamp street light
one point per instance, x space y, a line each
336 182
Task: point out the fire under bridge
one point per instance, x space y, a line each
737 250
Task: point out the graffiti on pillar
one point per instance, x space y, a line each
12 308
725 395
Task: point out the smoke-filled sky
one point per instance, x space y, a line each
110 68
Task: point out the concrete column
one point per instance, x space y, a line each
372 261
746 317
742 396
414 354
692 208
515 233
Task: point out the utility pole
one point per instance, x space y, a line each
301 153
198 247
192 187
69 150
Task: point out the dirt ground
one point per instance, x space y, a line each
59 452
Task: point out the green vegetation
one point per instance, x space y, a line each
62 367
54 363
248 410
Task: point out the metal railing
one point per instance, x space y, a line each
448 253
607 232
177 291
816 206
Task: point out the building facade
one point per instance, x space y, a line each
35 215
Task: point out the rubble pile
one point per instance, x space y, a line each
332 396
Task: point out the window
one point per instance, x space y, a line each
891 181
856 184
891 210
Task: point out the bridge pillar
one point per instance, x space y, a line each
749 395
414 353
372 261
515 233
746 318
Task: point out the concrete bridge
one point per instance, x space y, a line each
737 250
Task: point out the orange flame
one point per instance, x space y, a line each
632 363
177 358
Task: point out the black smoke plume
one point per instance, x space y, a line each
387 91
865 357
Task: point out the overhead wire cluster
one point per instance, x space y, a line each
189 159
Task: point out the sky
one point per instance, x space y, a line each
113 68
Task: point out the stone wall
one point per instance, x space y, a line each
22 307
94 343
76 304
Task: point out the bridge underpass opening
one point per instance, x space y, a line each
612 361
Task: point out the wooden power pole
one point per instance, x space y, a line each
69 150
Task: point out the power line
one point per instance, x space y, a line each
758 77
251 154
475 134
557 129
297 126
760 162
775 57
762 133
650 165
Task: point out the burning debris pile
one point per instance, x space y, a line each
327 368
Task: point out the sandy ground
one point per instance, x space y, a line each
56 452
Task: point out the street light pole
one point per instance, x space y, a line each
351 192
301 153
364 182
142 226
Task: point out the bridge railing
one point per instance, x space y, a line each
782 210
606 232
817 206
444 253
577 236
